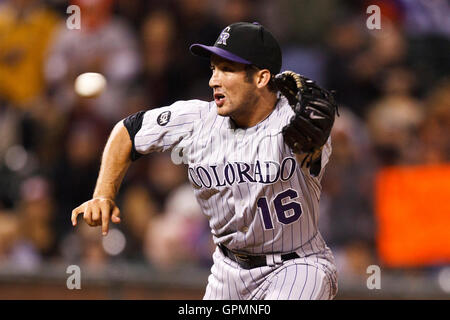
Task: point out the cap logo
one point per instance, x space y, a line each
224 36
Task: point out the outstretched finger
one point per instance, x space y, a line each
75 213
105 222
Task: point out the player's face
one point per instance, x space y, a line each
234 93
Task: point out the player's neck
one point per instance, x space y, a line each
259 111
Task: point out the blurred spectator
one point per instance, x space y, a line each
426 17
15 166
29 228
133 11
138 210
307 61
426 25
359 60
26 28
92 252
9 235
76 172
195 24
9 128
84 247
388 47
428 59
352 80
164 177
231 11
104 44
346 216
394 119
434 132
41 129
302 45
304 22
181 234
161 77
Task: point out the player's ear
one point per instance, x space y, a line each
263 78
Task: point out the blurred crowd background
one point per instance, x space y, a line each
392 86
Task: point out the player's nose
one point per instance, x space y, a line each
214 80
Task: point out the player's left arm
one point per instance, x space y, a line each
314 113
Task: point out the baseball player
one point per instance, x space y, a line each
255 154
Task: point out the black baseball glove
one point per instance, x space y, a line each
315 109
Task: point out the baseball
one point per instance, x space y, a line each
90 84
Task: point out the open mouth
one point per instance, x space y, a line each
219 98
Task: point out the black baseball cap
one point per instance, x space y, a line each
243 42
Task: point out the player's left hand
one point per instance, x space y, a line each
314 108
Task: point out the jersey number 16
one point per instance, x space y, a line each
280 208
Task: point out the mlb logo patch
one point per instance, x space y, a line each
163 118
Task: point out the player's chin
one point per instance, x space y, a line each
223 111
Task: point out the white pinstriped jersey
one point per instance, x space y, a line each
248 182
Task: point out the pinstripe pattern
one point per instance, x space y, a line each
308 278
257 198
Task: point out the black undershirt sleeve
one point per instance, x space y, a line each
133 123
316 166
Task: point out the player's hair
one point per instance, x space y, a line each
251 69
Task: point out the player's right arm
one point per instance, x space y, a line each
141 133
115 162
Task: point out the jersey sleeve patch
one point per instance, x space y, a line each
163 128
163 118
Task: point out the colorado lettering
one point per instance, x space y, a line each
266 172
201 176
244 172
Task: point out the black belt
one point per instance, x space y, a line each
247 261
